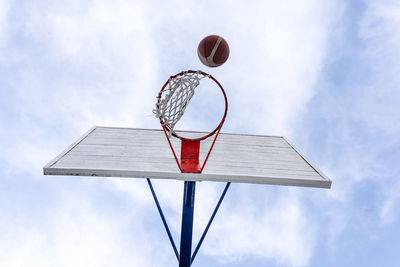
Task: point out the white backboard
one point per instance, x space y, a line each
145 153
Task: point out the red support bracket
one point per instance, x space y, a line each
190 151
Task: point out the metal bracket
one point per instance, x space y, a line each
163 219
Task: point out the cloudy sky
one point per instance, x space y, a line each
325 74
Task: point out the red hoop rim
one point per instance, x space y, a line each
166 128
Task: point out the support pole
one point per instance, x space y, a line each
187 224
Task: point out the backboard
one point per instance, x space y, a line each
145 153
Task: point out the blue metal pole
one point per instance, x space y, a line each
187 224
163 219
210 221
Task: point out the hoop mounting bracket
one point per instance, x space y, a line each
190 156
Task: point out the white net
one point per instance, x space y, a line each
175 97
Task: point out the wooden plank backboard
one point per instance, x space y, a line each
145 153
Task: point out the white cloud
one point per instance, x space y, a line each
266 227
389 211
74 233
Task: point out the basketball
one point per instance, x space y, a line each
213 51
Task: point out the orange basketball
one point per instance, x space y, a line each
213 51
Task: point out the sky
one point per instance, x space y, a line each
324 74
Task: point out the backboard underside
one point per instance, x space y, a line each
144 153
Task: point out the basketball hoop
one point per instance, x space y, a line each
171 104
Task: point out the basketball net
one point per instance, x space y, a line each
173 100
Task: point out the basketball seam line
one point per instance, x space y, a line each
210 58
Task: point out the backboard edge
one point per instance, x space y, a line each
186 131
187 177
308 161
69 148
